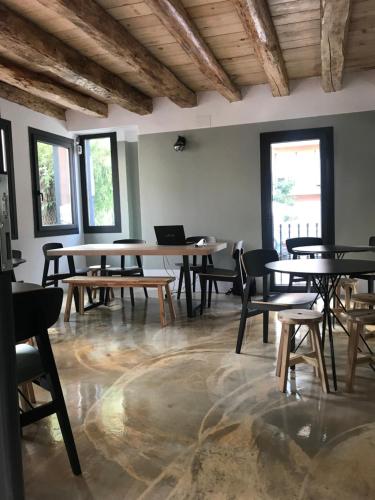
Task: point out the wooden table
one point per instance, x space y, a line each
110 249
325 274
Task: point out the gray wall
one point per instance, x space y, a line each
213 187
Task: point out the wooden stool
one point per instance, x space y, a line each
285 359
357 320
349 285
361 299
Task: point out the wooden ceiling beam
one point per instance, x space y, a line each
335 18
257 22
31 101
174 17
51 56
110 35
44 87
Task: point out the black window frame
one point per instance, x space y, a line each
41 231
87 228
327 176
6 126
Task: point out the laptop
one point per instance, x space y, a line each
170 235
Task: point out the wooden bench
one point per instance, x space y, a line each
81 282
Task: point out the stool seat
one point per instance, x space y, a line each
364 298
363 316
300 316
289 319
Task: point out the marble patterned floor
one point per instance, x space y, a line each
174 413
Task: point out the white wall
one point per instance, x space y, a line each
21 118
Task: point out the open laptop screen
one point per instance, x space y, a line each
170 235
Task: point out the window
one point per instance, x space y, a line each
54 197
100 184
6 167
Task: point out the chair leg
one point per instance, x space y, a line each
132 296
355 332
161 306
266 316
241 329
216 287
287 331
58 398
89 294
194 280
180 281
145 292
209 294
170 302
68 305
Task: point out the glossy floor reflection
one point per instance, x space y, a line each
175 413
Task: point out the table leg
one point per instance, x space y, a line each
72 270
189 298
203 284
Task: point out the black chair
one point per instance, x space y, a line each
34 312
17 260
195 267
54 278
214 274
300 242
128 271
254 264
370 278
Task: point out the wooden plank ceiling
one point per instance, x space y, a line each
128 51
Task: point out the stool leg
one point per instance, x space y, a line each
355 331
161 306
320 357
170 302
288 332
68 304
81 300
280 352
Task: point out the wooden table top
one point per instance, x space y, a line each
118 249
320 267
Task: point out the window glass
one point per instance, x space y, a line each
99 182
53 184
6 167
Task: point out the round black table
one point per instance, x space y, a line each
332 250
325 274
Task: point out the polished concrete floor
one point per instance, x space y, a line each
174 413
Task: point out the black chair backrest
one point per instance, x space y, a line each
130 241
35 311
255 260
51 246
304 241
16 254
371 241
